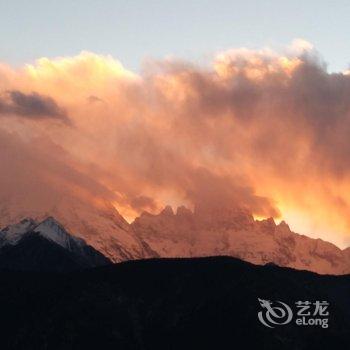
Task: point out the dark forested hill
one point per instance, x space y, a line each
206 303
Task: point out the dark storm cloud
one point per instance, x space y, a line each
32 106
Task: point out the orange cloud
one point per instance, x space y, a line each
257 129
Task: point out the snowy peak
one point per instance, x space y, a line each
45 246
13 233
51 229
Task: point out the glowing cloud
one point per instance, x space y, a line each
258 129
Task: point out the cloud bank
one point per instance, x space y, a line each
264 130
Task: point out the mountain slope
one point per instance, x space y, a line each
45 246
235 233
208 303
99 224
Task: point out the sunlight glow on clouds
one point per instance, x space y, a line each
260 129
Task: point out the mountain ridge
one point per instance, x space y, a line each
184 233
234 232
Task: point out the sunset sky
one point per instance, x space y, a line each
146 104
133 31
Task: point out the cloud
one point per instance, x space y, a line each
31 105
260 129
39 172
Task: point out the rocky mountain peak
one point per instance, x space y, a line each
183 211
222 230
284 226
167 211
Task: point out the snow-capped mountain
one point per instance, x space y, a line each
99 224
46 245
48 228
54 231
204 232
235 233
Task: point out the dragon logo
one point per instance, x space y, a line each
273 315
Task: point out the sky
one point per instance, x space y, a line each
144 104
133 31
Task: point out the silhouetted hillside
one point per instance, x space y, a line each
208 303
